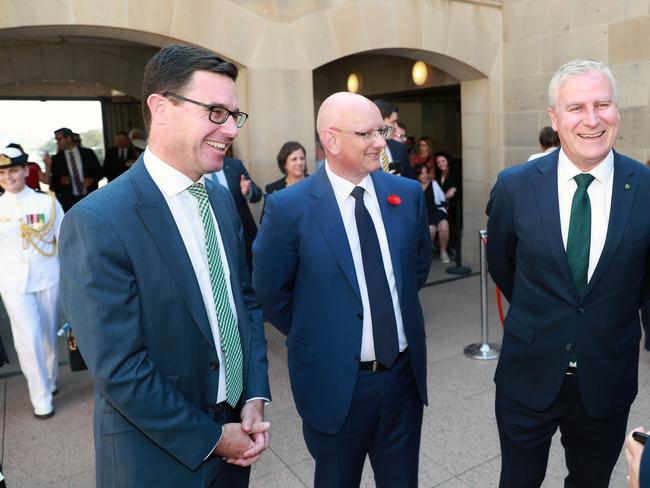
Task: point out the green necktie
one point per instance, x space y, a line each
579 239
230 342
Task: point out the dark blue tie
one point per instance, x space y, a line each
384 327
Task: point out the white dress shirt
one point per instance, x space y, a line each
600 197
185 211
24 269
346 202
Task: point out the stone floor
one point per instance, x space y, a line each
460 446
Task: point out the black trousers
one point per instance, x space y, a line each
591 446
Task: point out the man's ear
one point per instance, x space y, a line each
158 108
330 141
553 116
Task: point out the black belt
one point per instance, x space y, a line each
376 365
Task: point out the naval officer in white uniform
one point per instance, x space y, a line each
29 281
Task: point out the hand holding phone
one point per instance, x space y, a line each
640 437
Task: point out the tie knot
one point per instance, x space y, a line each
583 180
357 193
197 190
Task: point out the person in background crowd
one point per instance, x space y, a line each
338 263
399 134
138 146
638 461
410 144
243 190
548 141
292 162
448 178
120 157
394 157
436 210
570 352
136 133
424 154
75 170
320 153
29 281
157 290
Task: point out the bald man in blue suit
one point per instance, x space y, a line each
327 248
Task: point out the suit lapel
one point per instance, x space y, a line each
548 206
623 192
158 219
328 215
390 217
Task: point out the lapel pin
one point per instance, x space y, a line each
627 186
394 199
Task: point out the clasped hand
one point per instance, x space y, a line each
243 442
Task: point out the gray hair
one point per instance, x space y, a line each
575 68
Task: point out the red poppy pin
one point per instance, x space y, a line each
394 199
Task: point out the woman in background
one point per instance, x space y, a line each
293 165
435 202
423 154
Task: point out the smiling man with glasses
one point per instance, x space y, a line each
338 262
157 291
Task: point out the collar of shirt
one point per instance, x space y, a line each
343 188
168 179
601 172
24 193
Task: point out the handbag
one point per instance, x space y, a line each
77 362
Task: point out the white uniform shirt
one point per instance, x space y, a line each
23 268
346 202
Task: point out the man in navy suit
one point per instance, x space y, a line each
337 266
569 235
397 151
243 189
157 291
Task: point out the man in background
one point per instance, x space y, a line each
394 157
120 157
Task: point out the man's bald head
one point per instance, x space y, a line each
347 125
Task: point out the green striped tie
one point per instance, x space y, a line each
579 239
230 342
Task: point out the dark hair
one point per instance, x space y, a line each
122 133
401 125
418 168
65 132
548 138
444 154
286 150
428 142
171 69
386 108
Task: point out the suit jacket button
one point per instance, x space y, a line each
214 366
581 310
210 409
568 346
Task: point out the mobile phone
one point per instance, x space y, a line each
395 166
640 437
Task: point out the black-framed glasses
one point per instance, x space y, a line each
218 113
385 132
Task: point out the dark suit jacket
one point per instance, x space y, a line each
114 166
91 168
399 151
275 186
548 321
233 169
644 471
133 300
305 281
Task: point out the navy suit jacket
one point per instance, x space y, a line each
644 471
305 281
90 166
548 321
132 298
399 151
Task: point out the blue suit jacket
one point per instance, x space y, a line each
305 281
400 153
547 320
644 471
132 298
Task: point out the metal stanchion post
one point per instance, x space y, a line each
484 350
